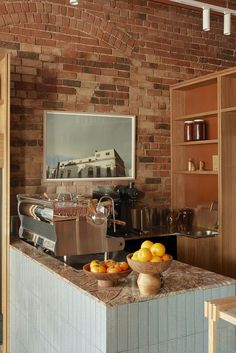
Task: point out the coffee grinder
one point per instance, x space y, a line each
128 195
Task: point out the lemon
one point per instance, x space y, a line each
158 249
144 255
156 259
135 256
147 244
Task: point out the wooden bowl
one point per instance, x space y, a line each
149 280
148 267
105 279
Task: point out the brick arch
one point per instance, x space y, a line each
22 12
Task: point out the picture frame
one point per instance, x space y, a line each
81 146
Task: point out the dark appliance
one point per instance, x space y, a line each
124 197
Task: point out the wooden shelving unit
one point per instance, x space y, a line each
212 98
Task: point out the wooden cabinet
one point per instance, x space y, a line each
212 98
4 188
202 252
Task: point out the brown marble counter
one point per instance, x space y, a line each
179 278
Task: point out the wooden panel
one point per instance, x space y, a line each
194 190
228 160
202 252
4 162
228 87
201 98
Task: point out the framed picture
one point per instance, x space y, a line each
82 146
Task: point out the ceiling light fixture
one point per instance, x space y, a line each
206 19
74 2
206 13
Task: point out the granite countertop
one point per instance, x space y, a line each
179 278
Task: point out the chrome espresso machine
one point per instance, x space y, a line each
66 224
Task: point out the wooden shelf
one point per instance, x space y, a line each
192 143
230 109
195 116
197 172
1 101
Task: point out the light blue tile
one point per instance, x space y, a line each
143 322
133 326
205 341
162 323
163 347
133 351
122 328
190 344
172 317
103 327
143 349
172 344
199 343
190 313
154 348
215 293
153 322
112 329
199 311
181 345
181 315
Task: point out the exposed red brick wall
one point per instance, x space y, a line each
114 56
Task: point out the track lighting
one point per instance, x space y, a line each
206 19
74 2
227 23
207 8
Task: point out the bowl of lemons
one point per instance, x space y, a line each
149 261
107 272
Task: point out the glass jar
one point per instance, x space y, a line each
199 130
188 130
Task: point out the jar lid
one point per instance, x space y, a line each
198 120
188 122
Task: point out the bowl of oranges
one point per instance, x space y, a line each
107 272
149 261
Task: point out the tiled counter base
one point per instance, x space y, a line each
56 309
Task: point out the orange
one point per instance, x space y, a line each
166 257
102 269
158 249
114 269
109 263
147 244
156 259
135 255
144 255
123 266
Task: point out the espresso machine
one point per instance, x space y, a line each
64 226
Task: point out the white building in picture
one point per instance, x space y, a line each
103 164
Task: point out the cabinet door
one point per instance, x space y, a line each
186 250
202 252
4 184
